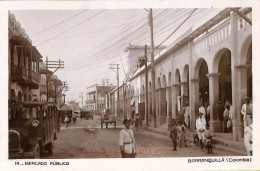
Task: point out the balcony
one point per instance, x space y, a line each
34 80
19 73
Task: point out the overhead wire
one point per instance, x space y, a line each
72 27
63 21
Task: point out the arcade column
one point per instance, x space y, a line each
194 101
215 123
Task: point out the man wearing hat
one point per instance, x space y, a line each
187 114
200 127
246 110
127 141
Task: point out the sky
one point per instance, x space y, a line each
89 40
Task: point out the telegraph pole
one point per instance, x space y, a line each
152 67
52 64
116 67
81 95
146 87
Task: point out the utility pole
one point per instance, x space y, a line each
52 64
152 67
81 95
116 67
146 87
64 91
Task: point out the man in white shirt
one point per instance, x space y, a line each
248 140
187 114
127 141
200 127
202 110
246 110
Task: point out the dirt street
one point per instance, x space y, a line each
86 139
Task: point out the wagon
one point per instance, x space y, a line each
108 118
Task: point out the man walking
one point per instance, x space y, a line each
200 127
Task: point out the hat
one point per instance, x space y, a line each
126 120
246 98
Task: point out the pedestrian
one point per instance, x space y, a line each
202 110
181 134
225 118
246 110
173 135
137 120
208 113
248 136
127 141
200 127
74 118
208 139
187 115
230 118
66 120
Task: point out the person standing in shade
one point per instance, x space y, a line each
246 110
174 134
187 115
207 113
225 118
200 127
248 140
230 117
74 118
127 141
202 110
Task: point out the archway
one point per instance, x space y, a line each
178 91
249 72
176 103
222 63
162 101
203 82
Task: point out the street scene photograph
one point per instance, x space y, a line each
130 83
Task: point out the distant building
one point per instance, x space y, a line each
97 97
135 57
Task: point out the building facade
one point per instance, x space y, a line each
97 97
24 76
26 82
211 62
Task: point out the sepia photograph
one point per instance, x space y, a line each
154 83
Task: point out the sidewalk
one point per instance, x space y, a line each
222 141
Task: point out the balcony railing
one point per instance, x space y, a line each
19 73
35 77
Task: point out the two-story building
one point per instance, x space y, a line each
24 58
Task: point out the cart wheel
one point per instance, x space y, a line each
50 149
37 152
